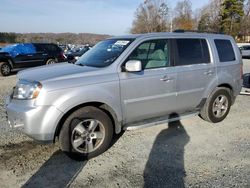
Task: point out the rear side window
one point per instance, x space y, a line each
192 51
50 47
38 48
225 50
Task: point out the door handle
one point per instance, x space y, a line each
30 55
166 79
209 72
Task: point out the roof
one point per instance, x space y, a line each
171 34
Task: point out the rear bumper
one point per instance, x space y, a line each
38 123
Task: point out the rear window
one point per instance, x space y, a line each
225 50
192 51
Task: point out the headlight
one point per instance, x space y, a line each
77 57
27 89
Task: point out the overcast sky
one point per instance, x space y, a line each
112 17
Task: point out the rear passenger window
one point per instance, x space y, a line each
225 50
192 51
38 48
51 47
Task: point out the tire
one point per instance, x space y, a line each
85 126
5 69
217 105
51 61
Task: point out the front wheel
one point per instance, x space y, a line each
5 69
86 133
217 105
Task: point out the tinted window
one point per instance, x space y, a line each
152 54
225 50
247 48
192 51
38 48
51 47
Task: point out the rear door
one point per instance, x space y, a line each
195 71
151 92
41 55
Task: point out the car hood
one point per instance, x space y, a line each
53 72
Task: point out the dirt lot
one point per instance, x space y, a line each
190 153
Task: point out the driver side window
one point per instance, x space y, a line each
152 54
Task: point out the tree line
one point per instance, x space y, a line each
223 16
62 38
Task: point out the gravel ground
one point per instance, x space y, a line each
190 153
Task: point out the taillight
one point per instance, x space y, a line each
62 56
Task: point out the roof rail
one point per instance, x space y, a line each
195 31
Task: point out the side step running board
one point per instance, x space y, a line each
147 123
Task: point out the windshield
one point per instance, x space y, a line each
104 53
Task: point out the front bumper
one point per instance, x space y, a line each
38 122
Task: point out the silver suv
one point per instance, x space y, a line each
126 83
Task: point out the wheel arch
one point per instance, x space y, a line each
7 61
104 107
228 86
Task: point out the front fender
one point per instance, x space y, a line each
66 99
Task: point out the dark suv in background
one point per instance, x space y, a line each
25 55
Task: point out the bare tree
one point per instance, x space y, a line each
208 17
183 15
151 16
245 23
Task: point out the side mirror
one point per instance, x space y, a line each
133 66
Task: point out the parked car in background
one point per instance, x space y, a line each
125 83
74 55
25 55
244 49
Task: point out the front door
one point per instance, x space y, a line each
151 92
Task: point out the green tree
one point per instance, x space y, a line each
232 12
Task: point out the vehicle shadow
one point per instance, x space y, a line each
165 165
58 171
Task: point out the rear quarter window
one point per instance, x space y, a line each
225 50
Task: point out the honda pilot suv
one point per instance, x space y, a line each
25 55
125 83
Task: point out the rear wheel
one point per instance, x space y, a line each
5 69
86 133
50 61
217 105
